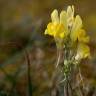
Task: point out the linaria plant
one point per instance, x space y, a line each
70 37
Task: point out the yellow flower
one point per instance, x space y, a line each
83 51
55 29
82 37
58 27
77 32
66 24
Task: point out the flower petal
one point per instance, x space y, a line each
77 25
55 17
63 20
82 36
70 15
83 51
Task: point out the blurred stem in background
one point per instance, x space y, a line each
28 73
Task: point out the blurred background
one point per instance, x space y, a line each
22 26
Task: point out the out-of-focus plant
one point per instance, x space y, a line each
72 40
13 78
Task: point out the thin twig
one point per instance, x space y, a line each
58 57
28 73
81 78
72 93
81 90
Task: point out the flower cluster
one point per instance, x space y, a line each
68 29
